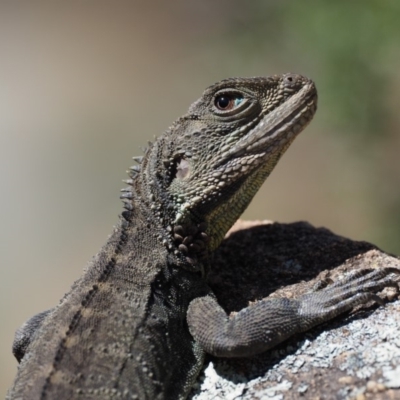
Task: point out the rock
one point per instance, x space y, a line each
354 356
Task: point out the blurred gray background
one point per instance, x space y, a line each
83 84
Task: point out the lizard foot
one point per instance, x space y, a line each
356 288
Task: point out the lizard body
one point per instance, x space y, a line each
137 324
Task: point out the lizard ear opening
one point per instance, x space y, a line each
182 167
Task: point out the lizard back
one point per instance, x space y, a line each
116 329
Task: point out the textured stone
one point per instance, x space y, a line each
353 356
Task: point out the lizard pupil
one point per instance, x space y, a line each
223 102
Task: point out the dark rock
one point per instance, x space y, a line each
354 356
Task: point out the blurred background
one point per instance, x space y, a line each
84 84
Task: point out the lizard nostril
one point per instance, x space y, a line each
290 79
291 83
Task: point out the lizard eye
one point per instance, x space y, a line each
226 102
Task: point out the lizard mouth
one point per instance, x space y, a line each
277 129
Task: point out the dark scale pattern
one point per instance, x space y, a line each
85 302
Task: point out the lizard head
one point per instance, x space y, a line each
203 172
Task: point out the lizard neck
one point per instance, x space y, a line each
141 231
148 216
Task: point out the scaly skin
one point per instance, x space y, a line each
137 324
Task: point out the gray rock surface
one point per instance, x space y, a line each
355 356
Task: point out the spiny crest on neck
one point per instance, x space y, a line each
129 192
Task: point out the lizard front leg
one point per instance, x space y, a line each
270 321
24 335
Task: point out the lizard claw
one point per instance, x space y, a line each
357 288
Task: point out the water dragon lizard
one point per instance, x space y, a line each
139 321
